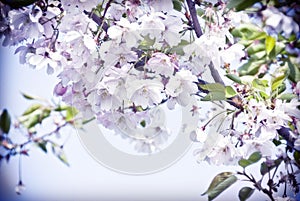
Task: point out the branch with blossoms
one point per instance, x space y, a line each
29 127
118 61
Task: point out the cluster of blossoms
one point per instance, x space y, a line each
119 60
120 72
253 127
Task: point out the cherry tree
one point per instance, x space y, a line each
117 61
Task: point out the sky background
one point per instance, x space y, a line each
48 179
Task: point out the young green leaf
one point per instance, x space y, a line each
266 167
245 193
277 81
37 116
216 92
251 67
270 44
32 108
229 92
280 89
287 96
249 32
59 153
214 96
71 112
253 158
253 48
234 78
60 108
220 183
143 123
294 72
29 97
276 142
244 163
241 4
42 145
260 84
297 157
177 5
215 87
63 158
5 121
147 42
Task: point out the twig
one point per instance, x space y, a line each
193 12
191 4
257 186
42 137
215 74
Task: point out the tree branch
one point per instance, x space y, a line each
191 4
215 74
193 12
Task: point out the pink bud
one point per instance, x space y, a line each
59 89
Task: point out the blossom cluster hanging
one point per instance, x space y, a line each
119 60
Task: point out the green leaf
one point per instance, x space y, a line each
253 48
86 121
270 44
241 4
5 121
280 46
258 55
245 193
288 96
251 67
43 145
229 92
281 88
266 167
147 42
214 96
220 183
244 163
276 142
200 12
277 81
179 48
32 119
294 72
61 108
249 32
32 108
215 87
253 158
71 112
216 92
59 153
297 157
143 123
29 97
260 84
176 5
63 158
234 78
